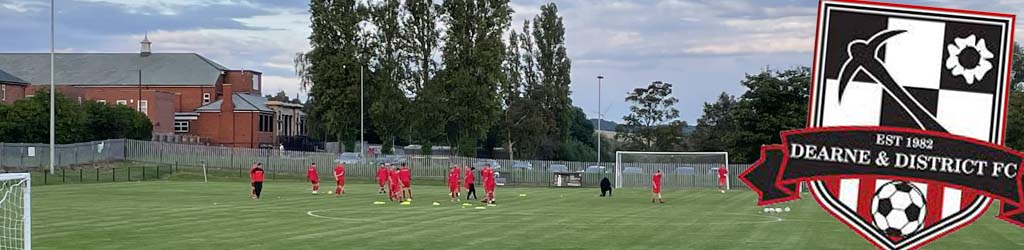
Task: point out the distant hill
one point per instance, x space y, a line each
606 125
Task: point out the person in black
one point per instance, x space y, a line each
256 178
470 186
606 186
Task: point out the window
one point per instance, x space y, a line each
144 107
266 123
255 82
3 92
122 102
181 126
101 101
206 98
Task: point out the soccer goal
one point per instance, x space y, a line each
15 200
679 169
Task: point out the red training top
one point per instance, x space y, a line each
311 175
656 180
393 176
453 177
723 172
339 172
470 178
404 175
488 174
256 174
382 174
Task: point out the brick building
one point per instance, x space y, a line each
12 88
181 93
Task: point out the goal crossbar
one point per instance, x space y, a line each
618 162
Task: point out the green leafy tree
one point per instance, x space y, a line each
389 58
473 54
281 96
774 101
554 68
27 121
716 126
1015 111
331 70
651 124
116 121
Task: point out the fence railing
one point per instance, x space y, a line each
428 169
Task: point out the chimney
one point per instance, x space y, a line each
146 46
227 114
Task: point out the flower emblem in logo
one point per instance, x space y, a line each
968 58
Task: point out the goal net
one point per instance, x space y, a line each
15 230
678 169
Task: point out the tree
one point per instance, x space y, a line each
774 101
1015 111
554 68
281 96
331 70
421 41
651 124
472 56
389 59
716 126
27 121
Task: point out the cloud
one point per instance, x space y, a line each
23 6
170 7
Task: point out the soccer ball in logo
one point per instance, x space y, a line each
898 208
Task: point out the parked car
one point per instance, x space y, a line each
558 168
632 170
596 170
350 158
480 164
525 165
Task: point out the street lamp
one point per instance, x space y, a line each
600 118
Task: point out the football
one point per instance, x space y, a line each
898 208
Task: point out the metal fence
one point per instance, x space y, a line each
426 169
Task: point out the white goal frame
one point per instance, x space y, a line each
618 162
27 205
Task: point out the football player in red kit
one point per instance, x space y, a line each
453 183
382 177
313 178
339 178
656 186
406 178
488 175
394 185
470 183
723 177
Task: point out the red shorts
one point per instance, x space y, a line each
453 188
380 182
406 183
314 182
341 182
656 190
489 188
721 181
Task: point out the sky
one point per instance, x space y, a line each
701 47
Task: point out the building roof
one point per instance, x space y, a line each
283 104
8 78
243 102
106 69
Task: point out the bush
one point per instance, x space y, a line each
28 121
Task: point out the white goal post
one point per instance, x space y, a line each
15 204
679 169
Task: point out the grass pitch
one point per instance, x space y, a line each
220 215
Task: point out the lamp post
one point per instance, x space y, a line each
362 133
53 103
600 118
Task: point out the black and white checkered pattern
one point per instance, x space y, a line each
916 59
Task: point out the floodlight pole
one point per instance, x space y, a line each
362 131
53 104
600 118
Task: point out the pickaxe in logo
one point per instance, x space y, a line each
864 58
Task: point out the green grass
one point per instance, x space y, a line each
186 214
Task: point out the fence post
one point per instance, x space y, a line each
113 175
143 173
97 175
80 175
44 176
129 173
62 179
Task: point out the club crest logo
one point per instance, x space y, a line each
906 124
